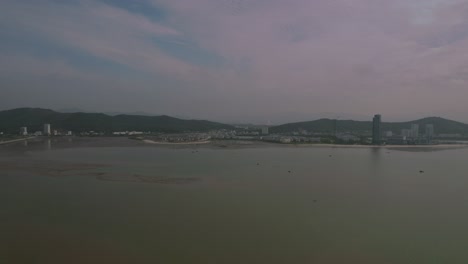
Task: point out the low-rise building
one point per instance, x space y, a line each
347 137
450 135
406 133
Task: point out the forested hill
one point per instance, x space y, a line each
34 118
441 126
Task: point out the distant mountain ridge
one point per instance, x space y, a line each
34 118
441 126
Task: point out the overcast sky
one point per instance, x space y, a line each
238 60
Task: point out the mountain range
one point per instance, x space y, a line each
34 118
441 126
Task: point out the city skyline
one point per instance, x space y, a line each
261 133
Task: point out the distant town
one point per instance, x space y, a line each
412 135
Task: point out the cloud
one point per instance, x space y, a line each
266 56
364 50
101 30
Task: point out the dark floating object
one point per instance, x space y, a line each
421 171
258 163
329 156
289 171
315 201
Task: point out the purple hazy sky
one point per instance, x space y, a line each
238 60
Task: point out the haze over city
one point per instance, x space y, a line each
239 60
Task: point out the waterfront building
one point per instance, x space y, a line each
429 131
376 130
264 130
23 131
46 131
414 130
405 133
388 134
450 135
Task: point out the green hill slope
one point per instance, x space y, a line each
441 126
34 118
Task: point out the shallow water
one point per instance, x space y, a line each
82 202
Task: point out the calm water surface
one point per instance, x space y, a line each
203 204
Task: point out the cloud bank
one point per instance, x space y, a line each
238 60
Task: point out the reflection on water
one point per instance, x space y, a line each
376 154
48 144
255 205
375 158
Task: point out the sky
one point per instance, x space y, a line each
246 61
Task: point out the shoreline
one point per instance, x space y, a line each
173 143
211 142
15 140
384 146
259 143
226 144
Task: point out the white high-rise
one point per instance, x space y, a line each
429 131
46 129
414 130
23 131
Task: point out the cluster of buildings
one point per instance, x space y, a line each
243 134
413 132
291 139
92 134
410 135
129 133
46 131
181 138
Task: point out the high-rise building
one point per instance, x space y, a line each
376 130
405 133
429 131
46 131
265 130
414 130
23 131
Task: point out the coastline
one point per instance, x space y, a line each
319 145
15 140
171 143
384 146
217 144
